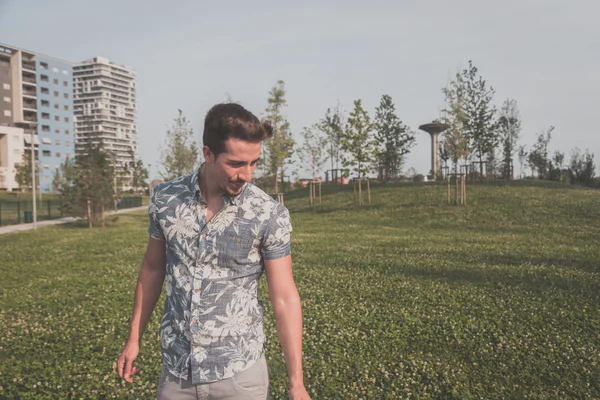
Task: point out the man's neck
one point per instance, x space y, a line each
208 188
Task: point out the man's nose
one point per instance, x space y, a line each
245 173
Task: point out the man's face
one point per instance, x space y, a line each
234 166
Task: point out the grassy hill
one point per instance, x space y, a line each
405 298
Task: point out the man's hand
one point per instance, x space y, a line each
299 393
125 366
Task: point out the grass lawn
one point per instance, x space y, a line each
406 298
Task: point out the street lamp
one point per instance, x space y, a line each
33 181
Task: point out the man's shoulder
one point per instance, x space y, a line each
173 186
255 193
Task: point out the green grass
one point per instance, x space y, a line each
406 298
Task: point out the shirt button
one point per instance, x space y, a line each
196 290
204 235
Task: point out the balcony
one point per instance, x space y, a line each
30 107
31 119
28 66
29 81
29 93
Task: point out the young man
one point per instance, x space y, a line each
212 234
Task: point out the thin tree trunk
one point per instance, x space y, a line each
89 214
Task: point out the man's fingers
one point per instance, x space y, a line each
128 365
134 370
120 365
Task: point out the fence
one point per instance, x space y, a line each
21 211
18 212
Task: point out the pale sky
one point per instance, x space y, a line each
191 54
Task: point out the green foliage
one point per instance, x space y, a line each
583 168
509 128
407 299
454 140
23 171
480 127
180 154
394 140
279 148
86 184
139 175
311 152
358 142
538 158
332 125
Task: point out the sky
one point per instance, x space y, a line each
189 55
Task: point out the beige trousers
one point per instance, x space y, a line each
251 384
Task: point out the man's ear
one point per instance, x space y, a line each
209 156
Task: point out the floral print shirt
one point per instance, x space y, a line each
213 315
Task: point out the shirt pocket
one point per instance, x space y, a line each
237 251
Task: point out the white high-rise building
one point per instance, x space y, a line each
105 110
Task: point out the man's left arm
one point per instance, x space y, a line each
288 318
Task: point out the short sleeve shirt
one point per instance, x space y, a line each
213 315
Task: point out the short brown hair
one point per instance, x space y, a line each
230 120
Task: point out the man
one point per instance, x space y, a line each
212 234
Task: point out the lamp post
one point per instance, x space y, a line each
33 181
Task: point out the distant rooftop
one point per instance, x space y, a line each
103 60
7 49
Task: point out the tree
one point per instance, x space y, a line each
582 167
180 154
357 140
556 169
311 152
480 127
509 128
394 140
522 154
280 146
455 116
538 157
332 125
23 171
139 175
86 183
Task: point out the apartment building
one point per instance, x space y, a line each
37 99
105 111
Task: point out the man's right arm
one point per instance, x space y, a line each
147 291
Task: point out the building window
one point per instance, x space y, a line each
56 118
66 95
56 106
44 78
54 69
45 103
57 155
56 81
65 83
66 108
44 65
68 144
67 131
46 166
16 139
68 155
45 116
66 119
46 153
6 86
46 140
57 131
55 93
7 99
7 113
65 72
57 142
45 128
45 90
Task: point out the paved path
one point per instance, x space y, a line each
41 224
